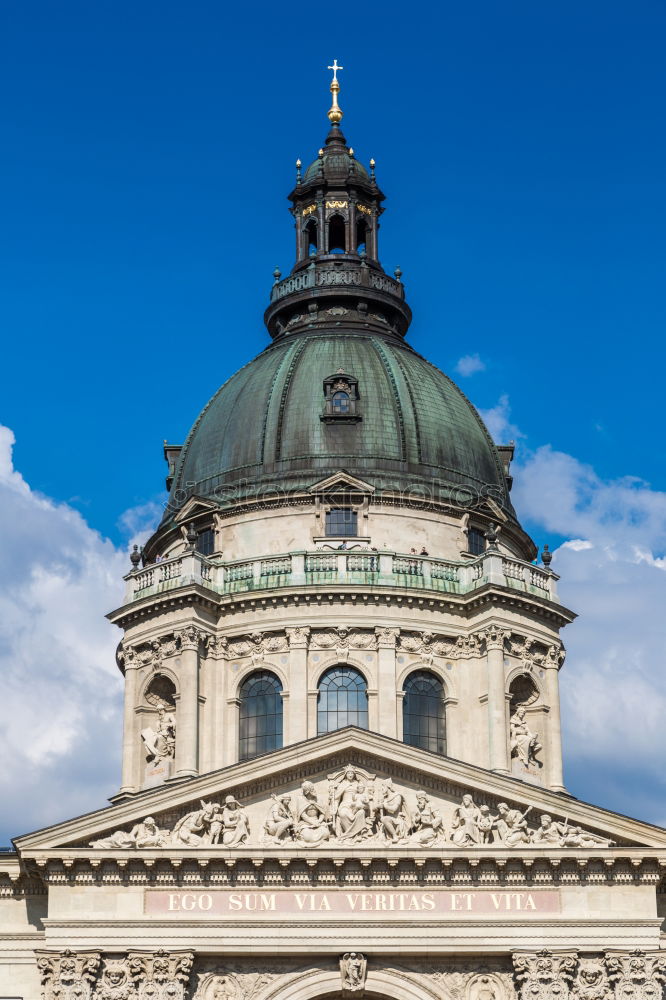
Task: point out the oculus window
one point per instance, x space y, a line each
260 715
342 701
423 720
341 522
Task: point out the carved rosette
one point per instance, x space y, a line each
544 975
636 975
67 975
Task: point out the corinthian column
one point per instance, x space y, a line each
497 736
554 741
187 715
130 782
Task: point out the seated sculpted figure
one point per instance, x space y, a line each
549 832
353 818
394 815
465 824
236 826
195 828
279 823
524 743
511 826
311 824
427 824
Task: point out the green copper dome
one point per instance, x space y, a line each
413 429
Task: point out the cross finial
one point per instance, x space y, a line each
335 114
335 69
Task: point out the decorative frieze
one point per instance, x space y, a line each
70 975
360 808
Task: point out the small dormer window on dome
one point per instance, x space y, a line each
341 398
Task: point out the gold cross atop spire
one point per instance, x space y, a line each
335 114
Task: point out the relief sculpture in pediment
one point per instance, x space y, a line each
353 806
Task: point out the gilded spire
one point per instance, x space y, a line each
335 114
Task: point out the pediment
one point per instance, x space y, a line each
343 792
194 505
341 479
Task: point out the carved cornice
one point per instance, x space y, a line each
444 868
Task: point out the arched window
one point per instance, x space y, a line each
311 238
336 234
476 542
260 715
341 402
423 722
343 700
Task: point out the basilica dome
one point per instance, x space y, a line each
272 427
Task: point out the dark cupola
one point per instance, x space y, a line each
336 206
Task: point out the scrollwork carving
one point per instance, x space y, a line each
544 975
68 975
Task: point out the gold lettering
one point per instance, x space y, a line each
336 204
309 210
364 209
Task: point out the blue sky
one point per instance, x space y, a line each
147 150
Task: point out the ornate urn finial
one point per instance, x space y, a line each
546 556
335 114
135 557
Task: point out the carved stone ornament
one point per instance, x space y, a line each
360 807
160 975
525 744
544 975
591 981
353 972
67 975
636 975
115 982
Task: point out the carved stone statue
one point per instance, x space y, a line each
394 818
115 983
142 835
353 970
465 824
549 832
236 826
279 824
511 826
351 808
524 743
160 743
202 826
312 826
427 823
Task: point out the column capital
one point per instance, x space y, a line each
494 637
298 636
190 637
217 646
387 637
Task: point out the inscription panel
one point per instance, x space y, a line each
360 904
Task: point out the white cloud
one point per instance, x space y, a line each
470 364
61 720
612 573
498 421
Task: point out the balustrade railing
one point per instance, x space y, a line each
325 275
389 569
